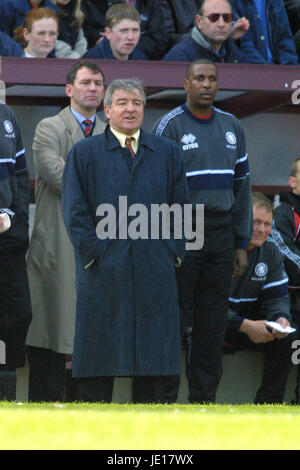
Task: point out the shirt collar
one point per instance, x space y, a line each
121 137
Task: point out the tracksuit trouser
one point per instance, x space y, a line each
15 310
277 363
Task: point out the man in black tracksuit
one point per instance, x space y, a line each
155 24
260 295
286 234
15 311
213 145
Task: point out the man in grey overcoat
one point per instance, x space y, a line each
51 264
127 316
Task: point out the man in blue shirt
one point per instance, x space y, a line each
122 33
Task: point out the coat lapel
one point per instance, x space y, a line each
145 143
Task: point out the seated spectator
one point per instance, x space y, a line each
269 39
155 20
9 47
71 41
286 235
38 33
260 295
122 33
182 18
13 12
210 38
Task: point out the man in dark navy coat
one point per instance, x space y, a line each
127 318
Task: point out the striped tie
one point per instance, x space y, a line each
88 127
128 141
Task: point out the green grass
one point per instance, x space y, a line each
154 427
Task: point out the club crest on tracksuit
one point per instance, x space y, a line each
261 269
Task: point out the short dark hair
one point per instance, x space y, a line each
200 7
92 66
120 12
197 61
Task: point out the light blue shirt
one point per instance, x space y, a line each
261 10
81 118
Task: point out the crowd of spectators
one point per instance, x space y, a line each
255 31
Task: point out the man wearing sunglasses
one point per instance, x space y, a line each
212 35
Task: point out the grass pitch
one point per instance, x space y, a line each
148 427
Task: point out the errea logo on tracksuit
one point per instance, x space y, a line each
188 141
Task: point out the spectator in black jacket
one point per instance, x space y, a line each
155 38
122 33
293 12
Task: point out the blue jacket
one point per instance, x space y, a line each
127 315
13 13
10 48
103 51
188 50
281 41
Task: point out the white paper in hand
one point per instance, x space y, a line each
276 326
6 222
